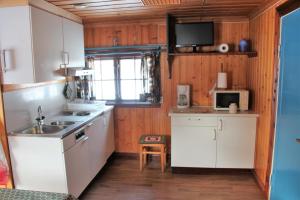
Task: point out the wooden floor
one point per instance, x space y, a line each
122 180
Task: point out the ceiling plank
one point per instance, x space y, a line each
182 8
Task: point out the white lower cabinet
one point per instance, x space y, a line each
195 146
213 142
65 165
78 166
109 133
96 134
236 142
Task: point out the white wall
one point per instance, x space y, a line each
21 106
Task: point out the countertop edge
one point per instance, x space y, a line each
215 114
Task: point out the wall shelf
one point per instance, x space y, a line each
171 47
249 54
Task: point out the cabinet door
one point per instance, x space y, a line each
73 43
236 142
78 166
15 35
95 132
109 132
193 146
47 40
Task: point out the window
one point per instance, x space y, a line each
120 78
104 79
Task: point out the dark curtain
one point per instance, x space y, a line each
151 71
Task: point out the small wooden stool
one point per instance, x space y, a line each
153 145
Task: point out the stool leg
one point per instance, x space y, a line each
141 158
165 157
145 159
162 159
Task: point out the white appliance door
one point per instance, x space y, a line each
77 166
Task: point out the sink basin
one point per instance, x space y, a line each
62 123
75 113
46 129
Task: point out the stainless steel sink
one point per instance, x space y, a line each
45 129
62 123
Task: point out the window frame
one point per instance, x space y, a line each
117 75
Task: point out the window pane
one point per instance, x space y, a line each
107 70
108 90
127 69
97 89
139 88
97 74
128 90
138 72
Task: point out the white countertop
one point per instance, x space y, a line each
80 121
208 111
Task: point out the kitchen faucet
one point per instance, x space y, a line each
40 118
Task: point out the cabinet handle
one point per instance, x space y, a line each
82 139
215 134
4 61
89 125
220 127
198 119
7 60
85 138
66 59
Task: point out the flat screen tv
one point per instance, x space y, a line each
194 34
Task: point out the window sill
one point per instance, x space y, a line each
133 104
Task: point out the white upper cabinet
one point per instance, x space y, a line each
15 34
34 39
47 40
73 44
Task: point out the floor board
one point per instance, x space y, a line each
122 180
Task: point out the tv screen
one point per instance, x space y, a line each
194 34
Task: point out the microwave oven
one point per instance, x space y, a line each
223 98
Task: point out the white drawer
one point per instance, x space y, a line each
194 121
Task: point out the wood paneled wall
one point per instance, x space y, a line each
198 71
260 82
261 76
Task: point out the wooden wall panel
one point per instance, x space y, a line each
261 76
199 71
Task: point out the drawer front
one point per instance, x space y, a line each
194 121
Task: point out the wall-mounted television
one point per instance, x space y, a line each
194 34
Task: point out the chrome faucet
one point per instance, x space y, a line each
40 118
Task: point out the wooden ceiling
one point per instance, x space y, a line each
120 9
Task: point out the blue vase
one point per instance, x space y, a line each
244 46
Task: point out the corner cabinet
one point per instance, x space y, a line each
37 45
206 141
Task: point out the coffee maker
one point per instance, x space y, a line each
183 96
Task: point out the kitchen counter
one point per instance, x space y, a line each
208 111
80 121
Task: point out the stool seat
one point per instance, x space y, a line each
153 139
153 145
